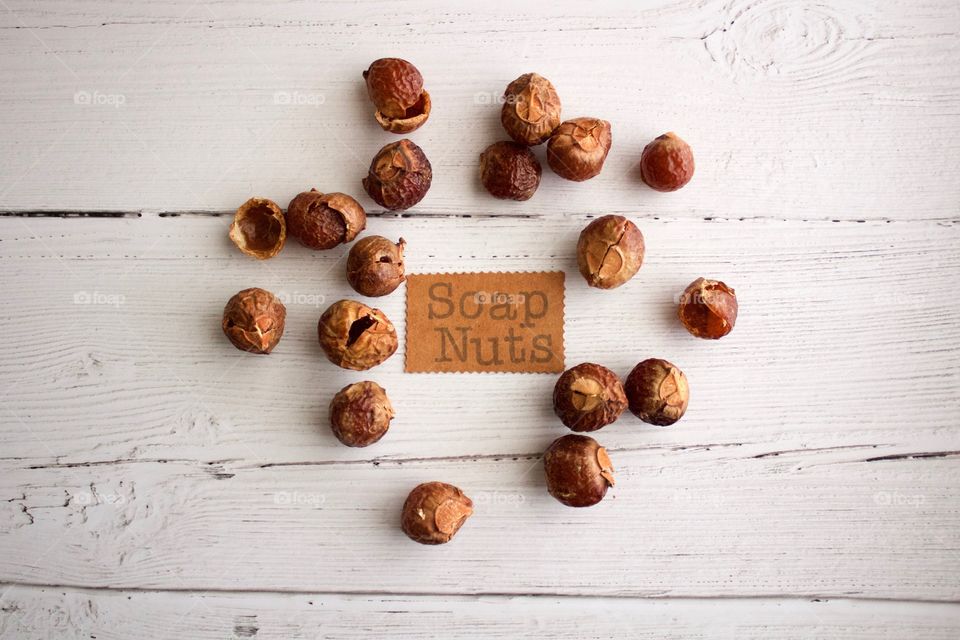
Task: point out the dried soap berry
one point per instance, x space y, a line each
509 171
588 397
609 252
434 512
578 469
259 228
253 320
354 336
399 176
666 164
360 414
578 148
324 220
375 266
531 109
708 308
657 392
396 89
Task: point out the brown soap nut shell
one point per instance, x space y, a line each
531 109
509 171
360 414
610 251
355 336
253 320
588 397
666 163
579 147
259 228
658 392
324 220
399 176
434 512
708 308
375 266
578 469
415 117
394 85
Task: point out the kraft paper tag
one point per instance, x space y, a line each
485 322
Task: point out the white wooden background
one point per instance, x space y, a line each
155 482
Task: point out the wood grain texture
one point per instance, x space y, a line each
121 615
794 110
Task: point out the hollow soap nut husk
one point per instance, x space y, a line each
375 266
579 147
666 163
578 469
531 109
360 414
322 221
588 397
509 171
253 320
708 308
610 251
434 511
395 87
259 228
355 336
399 176
657 392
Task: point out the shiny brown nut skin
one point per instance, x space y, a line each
708 308
578 469
666 163
375 266
399 176
509 171
355 336
531 109
578 148
394 85
434 512
324 220
588 397
360 414
658 392
609 252
259 228
253 320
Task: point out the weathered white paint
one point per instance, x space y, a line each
157 482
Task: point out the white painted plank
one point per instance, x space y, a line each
39 613
795 110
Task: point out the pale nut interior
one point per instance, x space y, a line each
450 515
586 394
606 466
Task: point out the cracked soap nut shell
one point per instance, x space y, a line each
375 266
509 171
253 320
578 148
588 397
666 164
354 336
396 89
324 220
399 176
531 109
259 228
434 512
657 392
708 308
579 471
609 252
360 414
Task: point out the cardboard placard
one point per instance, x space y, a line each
485 322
